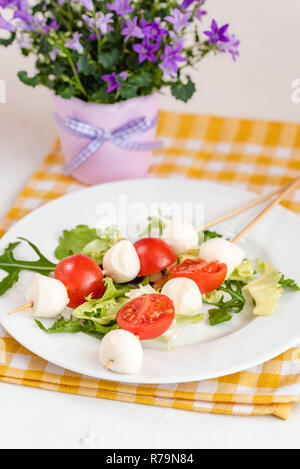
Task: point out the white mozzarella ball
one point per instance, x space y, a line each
125 351
185 294
49 297
121 262
221 250
182 236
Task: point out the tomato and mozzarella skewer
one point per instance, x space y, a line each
121 262
185 294
121 351
182 236
223 251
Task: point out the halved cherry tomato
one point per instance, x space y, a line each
148 316
208 275
81 277
155 255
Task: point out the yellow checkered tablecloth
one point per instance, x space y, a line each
255 155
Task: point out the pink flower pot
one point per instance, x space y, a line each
108 163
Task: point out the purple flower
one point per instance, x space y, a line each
74 43
153 31
88 4
131 29
187 3
231 47
146 51
112 80
53 53
101 22
217 34
179 20
121 7
53 26
6 24
25 42
200 13
170 57
23 16
11 3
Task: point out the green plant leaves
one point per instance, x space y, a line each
9 41
110 59
183 92
23 76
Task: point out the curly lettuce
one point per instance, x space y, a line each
244 272
89 241
264 292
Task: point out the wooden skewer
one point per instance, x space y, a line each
108 364
291 187
243 208
21 308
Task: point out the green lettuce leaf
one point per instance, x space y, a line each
185 319
264 292
286 283
104 310
244 272
74 241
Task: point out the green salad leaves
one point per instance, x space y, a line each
228 301
13 266
89 241
96 317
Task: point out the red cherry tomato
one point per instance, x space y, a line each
208 275
155 255
81 277
148 316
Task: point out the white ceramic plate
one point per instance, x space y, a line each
203 351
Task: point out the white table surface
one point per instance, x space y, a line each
258 85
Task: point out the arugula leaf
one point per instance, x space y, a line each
13 266
219 316
61 326
225 308
211 235
73 241
288 283
74 327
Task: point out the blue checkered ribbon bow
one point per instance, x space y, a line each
98 136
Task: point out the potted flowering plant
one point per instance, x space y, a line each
106 61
